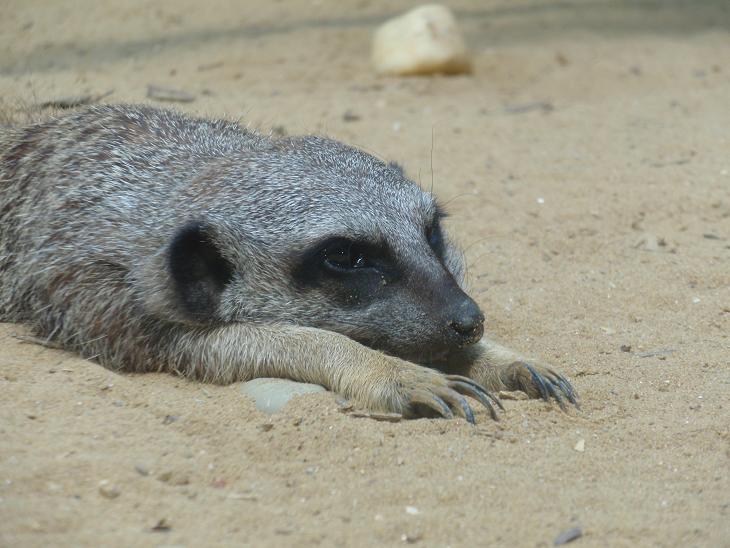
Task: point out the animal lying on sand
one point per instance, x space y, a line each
153 241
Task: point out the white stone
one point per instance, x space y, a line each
270 395
424 40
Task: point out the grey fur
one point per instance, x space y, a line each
91 205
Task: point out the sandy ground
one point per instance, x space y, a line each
586 167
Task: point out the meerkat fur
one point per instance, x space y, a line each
153 241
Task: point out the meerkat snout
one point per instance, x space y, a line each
468 321
461 318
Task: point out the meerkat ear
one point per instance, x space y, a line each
397 167
199 270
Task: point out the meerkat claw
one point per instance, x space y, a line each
478 389
564 387
539 382
467 410
547 385
457 401
484 397
432 401
567 389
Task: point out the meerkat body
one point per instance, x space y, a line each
151 241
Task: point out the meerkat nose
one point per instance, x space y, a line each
468 321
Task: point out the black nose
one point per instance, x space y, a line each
468 322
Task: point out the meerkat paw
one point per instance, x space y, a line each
428 393
539 381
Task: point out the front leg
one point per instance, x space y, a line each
498 368
238 352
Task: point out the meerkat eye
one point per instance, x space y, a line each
435 238
345 255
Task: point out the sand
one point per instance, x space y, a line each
586 167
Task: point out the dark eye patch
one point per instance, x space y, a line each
435 235
343 262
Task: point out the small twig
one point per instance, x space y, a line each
660 352
30 339
543 106
383 417
75 101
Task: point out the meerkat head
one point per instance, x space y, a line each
318 234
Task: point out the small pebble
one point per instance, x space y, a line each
162 526
580 446
270 395
107 490
425 40
142 470
567 536
412 510
411 538
344 406
350 116
173 478
650 242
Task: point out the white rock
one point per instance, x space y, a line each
270 395
424 40
580 446
108 490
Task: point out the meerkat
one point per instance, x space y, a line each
152 241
